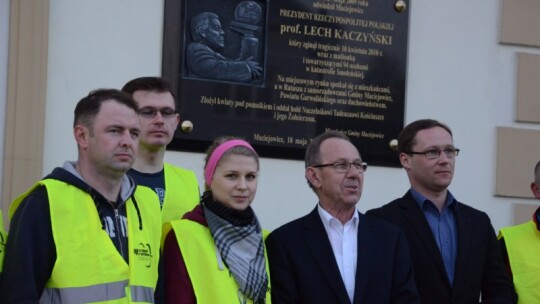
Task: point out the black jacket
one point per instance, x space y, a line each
479 270
303 267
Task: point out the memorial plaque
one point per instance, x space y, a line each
278 73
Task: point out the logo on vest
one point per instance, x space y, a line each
144 253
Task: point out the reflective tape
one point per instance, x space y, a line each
94 293
142 294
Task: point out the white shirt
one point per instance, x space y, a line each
344 241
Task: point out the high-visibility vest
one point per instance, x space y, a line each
88 266
211 280
181 193
523 247
3 239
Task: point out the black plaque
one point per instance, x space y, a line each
279 73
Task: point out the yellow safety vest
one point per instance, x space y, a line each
181 193
3 240
88 267
212 282
523 245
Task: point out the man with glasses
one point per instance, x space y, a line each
520 247
177 188
453 246
336 254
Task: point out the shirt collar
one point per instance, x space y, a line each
421 199
327 217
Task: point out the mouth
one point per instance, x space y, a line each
240 199
124 156
444 172
351 187
159 133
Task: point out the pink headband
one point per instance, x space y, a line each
218 153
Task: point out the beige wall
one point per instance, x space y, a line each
520 22
517 148
25 109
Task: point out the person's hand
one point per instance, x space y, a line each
254 67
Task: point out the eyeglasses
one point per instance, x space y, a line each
434 154
149 112
343 167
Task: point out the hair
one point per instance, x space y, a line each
406 138
201 21
88 107
537 173
313 150
236 150
150 84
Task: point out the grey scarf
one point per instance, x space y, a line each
241 247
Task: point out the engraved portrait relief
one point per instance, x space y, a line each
204 57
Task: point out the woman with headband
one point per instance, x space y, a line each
215 253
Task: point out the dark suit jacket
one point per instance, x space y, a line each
479 269
303 268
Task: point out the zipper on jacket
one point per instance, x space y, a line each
118 231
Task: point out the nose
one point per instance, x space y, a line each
127 139
241 185
353 172
443 158
159 117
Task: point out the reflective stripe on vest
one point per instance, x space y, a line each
181 193
88 267
142 294
523 244
210 278
98 293
87 294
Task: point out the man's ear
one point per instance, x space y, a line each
312 175
535 190
81 134
177 120
405 160
201 32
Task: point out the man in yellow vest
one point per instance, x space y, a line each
520 246
176 187
86 233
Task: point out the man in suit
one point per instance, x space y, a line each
336 254
453 246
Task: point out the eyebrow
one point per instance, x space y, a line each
440 147
342 159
